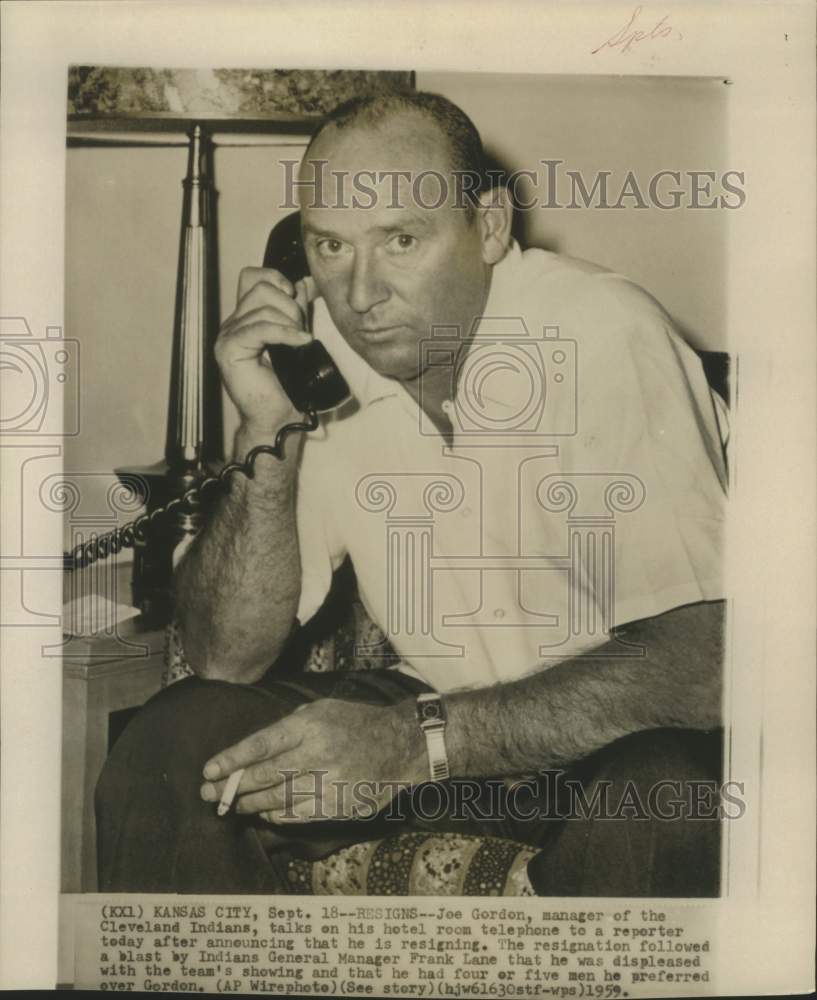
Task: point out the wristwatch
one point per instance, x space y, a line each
431 716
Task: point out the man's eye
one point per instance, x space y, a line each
402 242
330 248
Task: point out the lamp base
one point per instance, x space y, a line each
153 559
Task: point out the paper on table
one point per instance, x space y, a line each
93 613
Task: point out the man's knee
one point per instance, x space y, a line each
155 832
174 734
641 820
660 759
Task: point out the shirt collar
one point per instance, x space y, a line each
367 385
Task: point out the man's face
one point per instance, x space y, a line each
391 272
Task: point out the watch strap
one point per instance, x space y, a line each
437 755
431 717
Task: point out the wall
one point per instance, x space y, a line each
123 223
122 242
123 213
643 124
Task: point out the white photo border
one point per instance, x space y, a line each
766 50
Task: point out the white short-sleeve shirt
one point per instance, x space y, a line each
584 488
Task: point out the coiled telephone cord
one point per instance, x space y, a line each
138 531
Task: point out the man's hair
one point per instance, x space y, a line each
467 156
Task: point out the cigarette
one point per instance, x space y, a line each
229 792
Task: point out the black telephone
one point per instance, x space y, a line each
308 376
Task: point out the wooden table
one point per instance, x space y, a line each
102 676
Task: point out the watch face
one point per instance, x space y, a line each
431 711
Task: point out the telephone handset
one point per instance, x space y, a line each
308 376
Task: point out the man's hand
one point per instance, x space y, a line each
269 310
329 759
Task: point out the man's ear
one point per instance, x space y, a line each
494 216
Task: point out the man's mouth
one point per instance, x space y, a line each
377 333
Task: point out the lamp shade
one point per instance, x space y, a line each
242 98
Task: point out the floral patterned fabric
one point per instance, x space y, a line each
419 864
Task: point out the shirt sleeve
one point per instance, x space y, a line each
646 418
320 547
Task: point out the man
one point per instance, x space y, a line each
422 255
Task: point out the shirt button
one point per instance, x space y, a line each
499 613
466 512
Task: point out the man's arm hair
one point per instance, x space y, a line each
237 587
563 713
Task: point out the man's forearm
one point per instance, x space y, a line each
237 587
559 715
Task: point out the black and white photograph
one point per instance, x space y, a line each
487 552
397 428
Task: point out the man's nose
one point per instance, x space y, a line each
366 287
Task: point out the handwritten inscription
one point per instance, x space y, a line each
625 38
